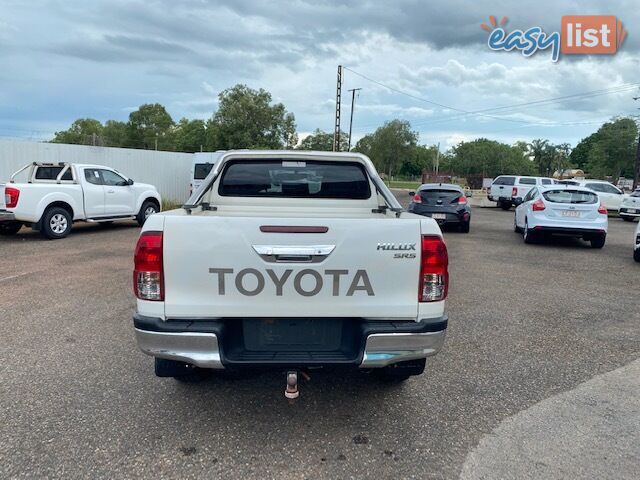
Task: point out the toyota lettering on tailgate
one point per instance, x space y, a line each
314 281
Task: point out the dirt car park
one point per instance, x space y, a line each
539 336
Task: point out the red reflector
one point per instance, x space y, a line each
292 229
148 275
538 205
434 270
11 197
417 198
602 209
514 192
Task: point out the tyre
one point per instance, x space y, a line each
56 223
10 228
636 254
598 242
527 235
505 205
626 218
181 371
148 208
465 226
399 372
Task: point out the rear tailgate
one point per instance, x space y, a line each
214 268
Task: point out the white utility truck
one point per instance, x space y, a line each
55 195
291 260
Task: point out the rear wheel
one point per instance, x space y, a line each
399 372
181 371
56 223
598 242
465 226
636 254
527 234
627 218
505 205
10 228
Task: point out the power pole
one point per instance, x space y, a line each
353 101
437 161
636 172
336 132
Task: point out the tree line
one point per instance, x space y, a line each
248 118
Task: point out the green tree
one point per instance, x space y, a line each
580 155
389 146
422 158
323 141
84 131
488 158
246 119
541 155
149 126
115 134
613 152
191 135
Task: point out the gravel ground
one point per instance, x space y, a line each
78 400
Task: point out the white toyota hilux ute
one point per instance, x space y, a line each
290 260
54 195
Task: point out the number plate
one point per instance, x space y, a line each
438 216
570 213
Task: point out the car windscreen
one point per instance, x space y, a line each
570 196
443 196
278 178
201 170
51 173
505 181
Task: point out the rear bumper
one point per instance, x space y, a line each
569 231
451 218
6 216
207 344
629 212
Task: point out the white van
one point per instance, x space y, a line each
509 190
202 164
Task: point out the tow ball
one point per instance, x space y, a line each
291 392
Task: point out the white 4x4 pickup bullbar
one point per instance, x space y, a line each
291 260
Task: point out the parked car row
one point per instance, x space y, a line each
55 195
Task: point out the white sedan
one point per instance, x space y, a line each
630 206
562 210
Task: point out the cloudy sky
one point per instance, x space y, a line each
423 61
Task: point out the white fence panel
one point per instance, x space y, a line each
168 171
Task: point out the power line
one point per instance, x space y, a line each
482 112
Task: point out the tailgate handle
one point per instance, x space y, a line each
293 254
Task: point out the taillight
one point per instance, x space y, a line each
462 200
602 209
434 273
514 192
417 198
148 274
11 197
538 205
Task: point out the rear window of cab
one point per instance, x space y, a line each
505 181
275 178
570 196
